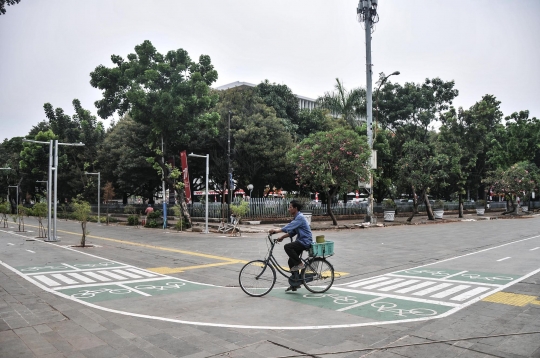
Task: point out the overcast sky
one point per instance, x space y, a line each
48 48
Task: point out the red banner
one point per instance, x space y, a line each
183 160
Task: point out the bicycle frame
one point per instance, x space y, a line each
271 260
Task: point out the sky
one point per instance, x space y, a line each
48 48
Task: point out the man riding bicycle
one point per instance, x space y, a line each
299 227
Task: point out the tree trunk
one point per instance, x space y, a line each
329 208
460 206
428 207
183 205
83 238
415 206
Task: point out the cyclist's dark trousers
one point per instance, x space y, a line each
293 250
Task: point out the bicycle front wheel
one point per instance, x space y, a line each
257 278
318 276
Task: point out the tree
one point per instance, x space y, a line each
5 209
420 168
168 93
259 144
283 101
81 212
331 162
315 120
349 105
40 210
3 4
122 159
520 178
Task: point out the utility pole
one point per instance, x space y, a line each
367 13
229 172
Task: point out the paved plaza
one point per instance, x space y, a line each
458 289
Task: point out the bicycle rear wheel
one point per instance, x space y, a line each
318 276
256 278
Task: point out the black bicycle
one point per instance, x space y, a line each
258 277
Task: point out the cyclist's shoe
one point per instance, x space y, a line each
298 267
292 288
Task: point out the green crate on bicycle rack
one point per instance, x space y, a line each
323 249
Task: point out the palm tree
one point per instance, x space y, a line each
348 105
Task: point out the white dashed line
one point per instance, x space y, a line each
504 258
10 244
31 251
536 248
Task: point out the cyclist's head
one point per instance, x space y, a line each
296 204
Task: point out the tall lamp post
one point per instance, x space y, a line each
53 160
377 97
229 172
207 156
367 13
98 193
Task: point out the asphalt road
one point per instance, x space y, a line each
398 285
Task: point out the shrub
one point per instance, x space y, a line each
133 220
181 225
389 204
438 204
240 209
152 223
156 214
480 203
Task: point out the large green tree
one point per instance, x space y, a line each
122 159
331 162
348 105
169 93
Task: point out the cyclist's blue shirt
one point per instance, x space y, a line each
299 226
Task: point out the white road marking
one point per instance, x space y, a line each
384 283
31 251
71 267
80 277
126 273
141 272
398 285
10 244
536 248
64 279
456 274
135 290
47 280
112 274
432 289
360 304
450 291
96 276
367 282
416 287
470 293
505 258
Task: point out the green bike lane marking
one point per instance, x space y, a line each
489 278
375 307
131 289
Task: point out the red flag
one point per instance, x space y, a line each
183 160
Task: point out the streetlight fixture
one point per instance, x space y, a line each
207 156
53 160
98 192
250 188
367 13
377 97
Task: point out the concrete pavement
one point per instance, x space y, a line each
37 322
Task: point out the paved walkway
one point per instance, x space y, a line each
37 323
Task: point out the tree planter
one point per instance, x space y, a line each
524 208
438 213
389 215
480 211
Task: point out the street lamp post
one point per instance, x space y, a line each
377 97
367 13
229 172
250 188
51 181
207 156
98 193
